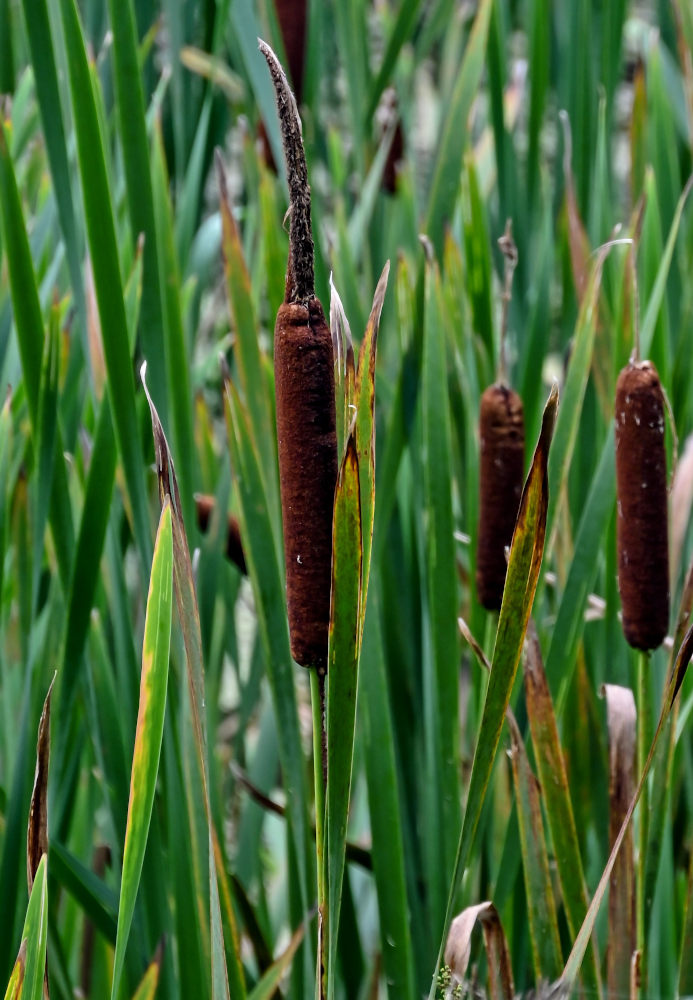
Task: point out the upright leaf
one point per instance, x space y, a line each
520 586
149 732
342 680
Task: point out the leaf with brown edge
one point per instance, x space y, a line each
458 948
520 587
150 980
16 983
621 720
365 427
37 833
186 604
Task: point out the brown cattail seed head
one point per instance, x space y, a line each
641 497
502 433
307 446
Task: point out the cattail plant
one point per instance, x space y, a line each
501 467
641 490
305 398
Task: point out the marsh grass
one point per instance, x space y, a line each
111 119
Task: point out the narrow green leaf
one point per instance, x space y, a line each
188 613
177 363
103 249
386 814
247 349
342 680
440 693
29 325
48 92
649 323
520 586
46 432
35 933
133 134
539 60
446 177
570 622
568 421
149 732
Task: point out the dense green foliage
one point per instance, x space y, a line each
120 242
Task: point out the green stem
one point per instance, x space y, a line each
317 692
644 716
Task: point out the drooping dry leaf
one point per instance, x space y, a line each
459 943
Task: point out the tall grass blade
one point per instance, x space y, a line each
188 614
342 682
520 586
103 247
136 159
30 335
32 953
48 93
386 813
446 177
149 732
440 693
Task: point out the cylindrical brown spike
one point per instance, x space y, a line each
641 494
307 447
204 506
502 433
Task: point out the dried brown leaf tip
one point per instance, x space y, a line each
37 831
306 419
641 493
502 444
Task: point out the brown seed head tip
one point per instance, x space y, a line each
501 474
641 495
300 281
307 446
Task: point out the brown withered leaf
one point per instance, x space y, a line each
37 832
459 942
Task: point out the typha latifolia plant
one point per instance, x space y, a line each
641 497
327 515
501 461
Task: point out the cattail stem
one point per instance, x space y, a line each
509 251
644 736
317 693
